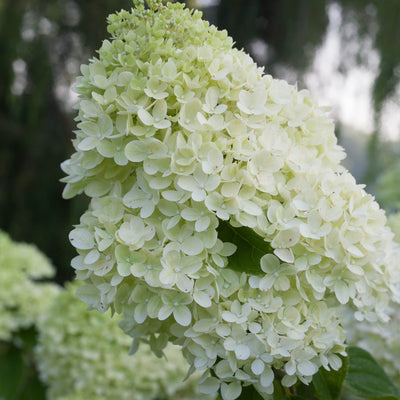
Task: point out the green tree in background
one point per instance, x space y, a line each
45 39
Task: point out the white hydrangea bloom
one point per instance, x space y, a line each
178 132
84 355
23 298
381 340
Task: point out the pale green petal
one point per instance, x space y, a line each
342 292
165 311
182 315
209 385
81 239
145 117
136 151
257 367
231 391
192 246
307 368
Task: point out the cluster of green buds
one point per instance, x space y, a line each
220 217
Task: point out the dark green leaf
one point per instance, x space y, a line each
250 393
305 391
250 247
367 379
33 389
27 337
328 384
278 392
12 371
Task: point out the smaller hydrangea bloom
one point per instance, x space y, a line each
83 354
23 298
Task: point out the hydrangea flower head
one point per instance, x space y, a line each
84 355
381 340
23 298
183 144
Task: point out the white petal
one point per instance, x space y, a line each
307 368
202 299
116 279
187 183
89 294
267 377
124 269
190 214
88 143
342 292
257 367
290 367
285 255
210 385
91 257
231 391
192 246
269 263
202 224
184 283
145 117
140 313
228 316
164 312
167 276
81 239
198 195
135 151
242 352
182 315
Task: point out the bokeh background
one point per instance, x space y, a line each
346 52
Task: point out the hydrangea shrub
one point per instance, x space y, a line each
23 294
220 216
84 355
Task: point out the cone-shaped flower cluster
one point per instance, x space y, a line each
180 134
84 355
23 298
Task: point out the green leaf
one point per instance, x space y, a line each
12 371
250 248
328 384
249 393
33 389
367 379
304 391
278 392
27 338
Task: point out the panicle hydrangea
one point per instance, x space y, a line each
23 297
84 355
178 131
381 340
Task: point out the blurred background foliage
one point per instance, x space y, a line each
43 43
